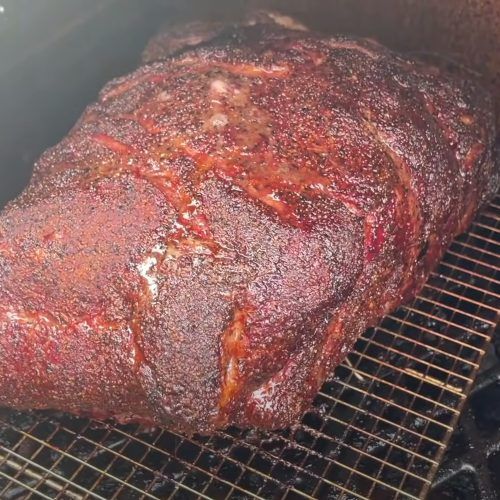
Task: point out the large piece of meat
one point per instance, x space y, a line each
213 235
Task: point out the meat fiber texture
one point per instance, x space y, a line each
216 231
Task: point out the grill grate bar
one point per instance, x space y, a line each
378 438
36 454
468 258
402 408
20 469
421 344
341 488
339 464
466 285
94 453
437 334
461 297
463 270
22 485
340 443
153 447
388 422
73 458
494 205
483 251
448 321
34 475
320 434
375 480
138 464
364 453
436 382
485 226
480 237
452 323
276 457
490 214
410 357
334 462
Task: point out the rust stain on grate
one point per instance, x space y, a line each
378 428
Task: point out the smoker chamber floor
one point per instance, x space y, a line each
378 428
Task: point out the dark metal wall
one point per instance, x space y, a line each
55 55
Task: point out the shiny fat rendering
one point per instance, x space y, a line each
214 234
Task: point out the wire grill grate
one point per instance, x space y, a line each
377 430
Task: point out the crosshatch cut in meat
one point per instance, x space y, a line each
212 236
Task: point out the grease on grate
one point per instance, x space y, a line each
378 428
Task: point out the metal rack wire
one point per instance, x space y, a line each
378 428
